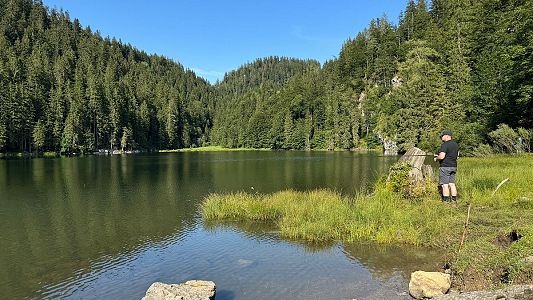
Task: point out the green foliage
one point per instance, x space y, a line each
417 110
39 135
482 150
506 140
213 149
458 65
126 140
68 89
525 138
398 180
469 135
3 135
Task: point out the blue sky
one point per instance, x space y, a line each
212 37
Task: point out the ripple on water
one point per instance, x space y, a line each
244 266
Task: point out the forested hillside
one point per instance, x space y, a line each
460 64
247 100
65 88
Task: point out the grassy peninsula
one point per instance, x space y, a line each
499 234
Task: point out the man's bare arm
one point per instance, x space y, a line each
440 156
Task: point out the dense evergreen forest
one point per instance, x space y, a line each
65 88
460 64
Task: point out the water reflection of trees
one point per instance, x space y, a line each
61 215
347 172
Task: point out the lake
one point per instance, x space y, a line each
106 227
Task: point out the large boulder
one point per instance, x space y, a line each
190 290
429 284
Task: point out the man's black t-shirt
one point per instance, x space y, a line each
452 151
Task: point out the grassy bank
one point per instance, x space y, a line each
386 217
213 149
28 154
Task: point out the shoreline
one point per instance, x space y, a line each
105 152
498 248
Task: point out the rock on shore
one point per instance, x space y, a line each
190 290
515 292
429 284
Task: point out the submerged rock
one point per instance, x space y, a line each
190 290
243 263
516 292
429 284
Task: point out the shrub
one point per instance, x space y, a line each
398 180
468 135
483 150
505 139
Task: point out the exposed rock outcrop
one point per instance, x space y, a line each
429 284
190 290
390 146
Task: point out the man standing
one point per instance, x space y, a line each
447 158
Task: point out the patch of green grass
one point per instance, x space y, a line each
386 216
213 149
50 154
478 178
324 215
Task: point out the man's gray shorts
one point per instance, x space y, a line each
447 175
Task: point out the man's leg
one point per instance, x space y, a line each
444 180
446 192
453 189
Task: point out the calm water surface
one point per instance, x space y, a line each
107 227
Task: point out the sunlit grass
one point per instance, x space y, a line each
324 215
478 178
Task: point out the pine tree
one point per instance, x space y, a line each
417 110
39 135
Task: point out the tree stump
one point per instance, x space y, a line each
415 157
419 174
427 172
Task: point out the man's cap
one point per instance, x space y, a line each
446 132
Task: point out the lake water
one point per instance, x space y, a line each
107 227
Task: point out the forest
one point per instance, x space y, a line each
463 65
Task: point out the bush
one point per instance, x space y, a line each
483 150
505 139
468 135
398 180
